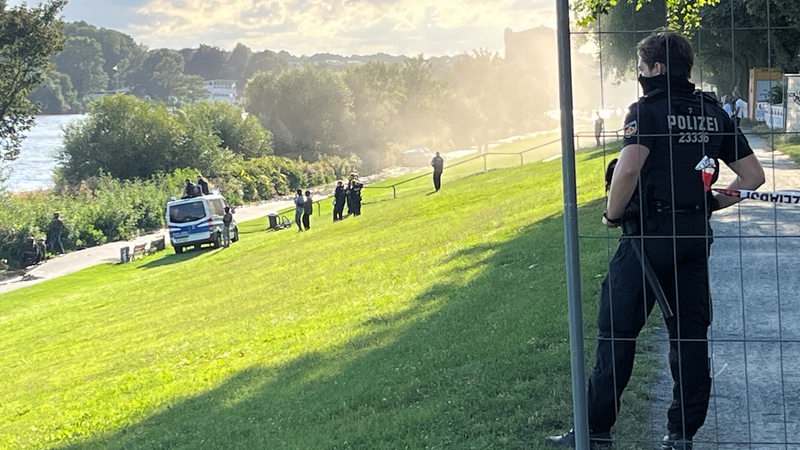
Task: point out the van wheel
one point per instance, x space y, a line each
178 249
235 237
217 240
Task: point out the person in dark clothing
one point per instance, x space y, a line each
54 231
354 195
307 210
338 201
190 190
438 167
599 124
202 185
674 137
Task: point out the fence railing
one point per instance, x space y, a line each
613 135
484 157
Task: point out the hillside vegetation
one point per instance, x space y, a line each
434 320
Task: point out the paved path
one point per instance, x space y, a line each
755 335
110 253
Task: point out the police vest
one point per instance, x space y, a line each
685 133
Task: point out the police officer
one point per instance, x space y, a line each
438 167
660 194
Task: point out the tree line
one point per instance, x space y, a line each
372 109
729 36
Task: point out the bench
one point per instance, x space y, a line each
138 249
156 245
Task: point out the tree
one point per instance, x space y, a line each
161 77
682 15
55 95
120 52
478 109
243 136
82 60
234 68
759 39
421 114
206 62
308 110
378 91
736 35
28 38
123 136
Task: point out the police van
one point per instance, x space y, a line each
198 220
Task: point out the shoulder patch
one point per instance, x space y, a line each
630 129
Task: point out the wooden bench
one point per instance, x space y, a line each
138 249
156 245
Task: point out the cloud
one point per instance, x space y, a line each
345 27
338 26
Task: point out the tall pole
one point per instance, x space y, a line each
572 252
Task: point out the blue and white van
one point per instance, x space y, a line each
196 221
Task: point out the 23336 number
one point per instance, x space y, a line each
693 138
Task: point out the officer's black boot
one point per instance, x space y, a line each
597 441
675 441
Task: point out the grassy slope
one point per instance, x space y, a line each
431 321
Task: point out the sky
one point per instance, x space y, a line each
306 27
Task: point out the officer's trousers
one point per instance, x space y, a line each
681 266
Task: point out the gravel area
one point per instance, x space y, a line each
755 335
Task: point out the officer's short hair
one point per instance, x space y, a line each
669 48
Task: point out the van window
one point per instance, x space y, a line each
187 212
217 207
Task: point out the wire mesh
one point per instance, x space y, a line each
754 339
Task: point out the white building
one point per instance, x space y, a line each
222 91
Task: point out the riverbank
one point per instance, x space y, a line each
110 253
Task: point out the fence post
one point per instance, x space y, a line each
484 163
394 192
572 252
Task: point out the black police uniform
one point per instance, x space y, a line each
667 218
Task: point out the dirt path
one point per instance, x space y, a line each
755 335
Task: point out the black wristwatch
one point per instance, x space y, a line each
617 221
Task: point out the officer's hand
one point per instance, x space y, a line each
611 223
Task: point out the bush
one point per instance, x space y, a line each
104 209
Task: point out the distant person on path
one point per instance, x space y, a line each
299 208
739 108
338 200
308 209
598 127
661 189
227 218
190 190
727 105
438 167
202 185
54 231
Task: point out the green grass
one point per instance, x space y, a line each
431 321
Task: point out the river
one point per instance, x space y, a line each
33 169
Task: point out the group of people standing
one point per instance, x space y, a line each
303 208
735 106
349 195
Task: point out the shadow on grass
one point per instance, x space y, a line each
167 260
480 360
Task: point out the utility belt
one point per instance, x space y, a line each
665 209
655 212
